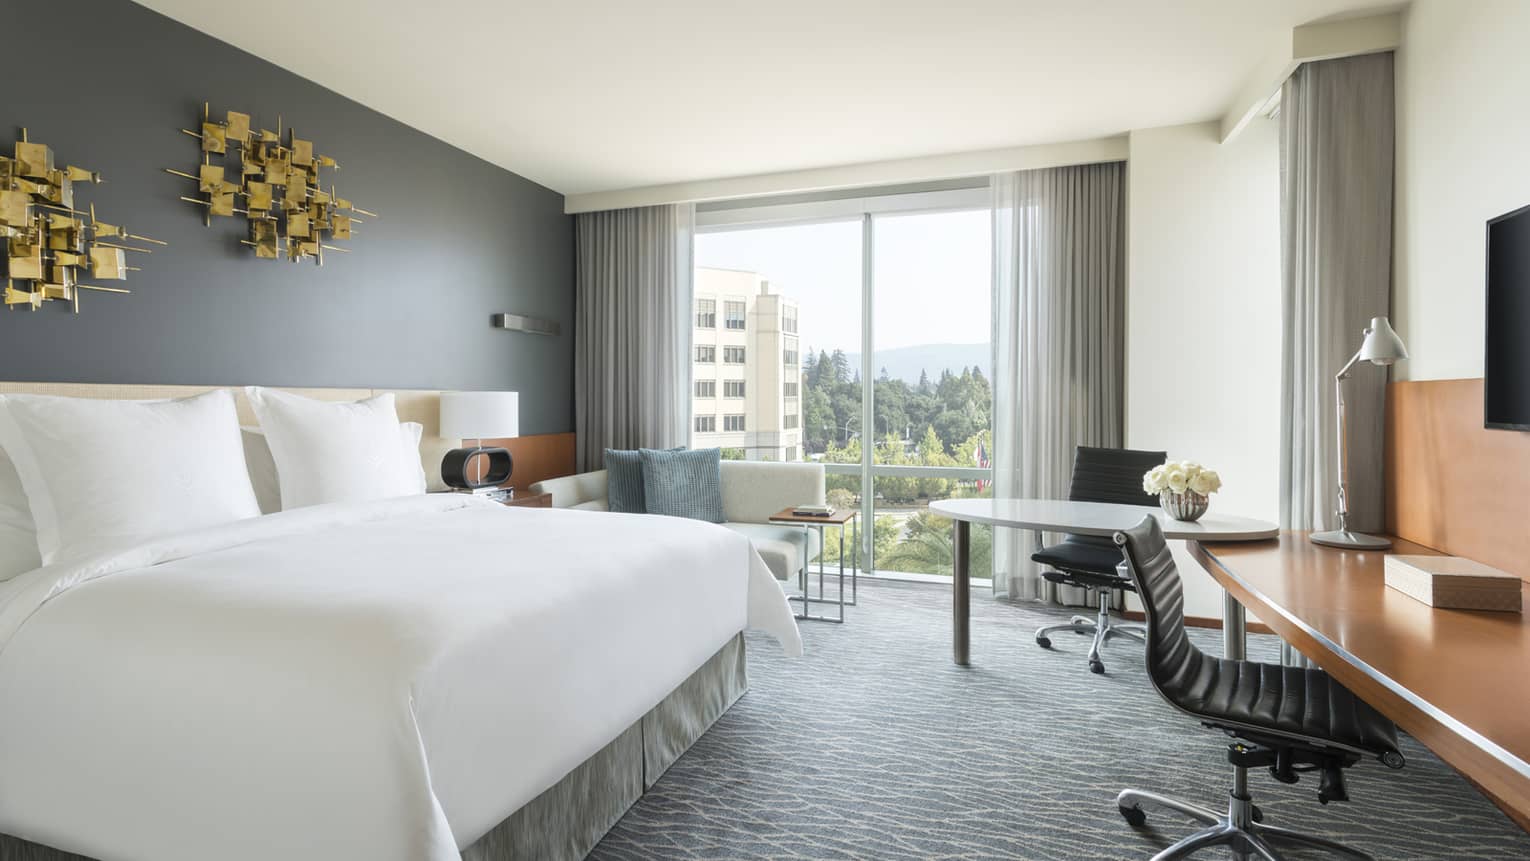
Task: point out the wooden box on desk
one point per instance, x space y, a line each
1453 583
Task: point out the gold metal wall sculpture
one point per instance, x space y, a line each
286 206
49 244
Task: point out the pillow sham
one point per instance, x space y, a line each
683 483
268 490
18 535
100 472
336 452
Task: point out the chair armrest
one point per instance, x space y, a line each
572 490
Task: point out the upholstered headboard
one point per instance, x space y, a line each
414 405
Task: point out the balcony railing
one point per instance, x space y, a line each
909 548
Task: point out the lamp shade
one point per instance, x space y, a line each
1382 346
480 415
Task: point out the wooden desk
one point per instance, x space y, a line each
1457 680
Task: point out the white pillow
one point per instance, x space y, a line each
99 472
268 489
18 536
336 452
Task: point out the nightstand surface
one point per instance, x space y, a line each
526 499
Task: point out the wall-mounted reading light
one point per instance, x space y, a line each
531 325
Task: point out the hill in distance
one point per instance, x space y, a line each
905 363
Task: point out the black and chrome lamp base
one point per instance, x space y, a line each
454 468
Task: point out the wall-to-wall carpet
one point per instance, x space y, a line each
874 745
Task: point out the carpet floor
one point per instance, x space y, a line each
875 746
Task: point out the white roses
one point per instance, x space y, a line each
1179 476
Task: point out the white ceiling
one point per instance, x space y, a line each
612 94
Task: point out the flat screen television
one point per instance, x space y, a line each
1506 371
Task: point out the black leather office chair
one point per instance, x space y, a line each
1089 561
1288 719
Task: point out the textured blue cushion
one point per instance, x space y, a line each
683 483
624 481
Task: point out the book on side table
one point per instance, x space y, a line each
1453 583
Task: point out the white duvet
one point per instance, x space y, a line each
373 681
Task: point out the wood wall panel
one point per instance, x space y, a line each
1452 484
548 455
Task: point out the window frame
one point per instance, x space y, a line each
743 315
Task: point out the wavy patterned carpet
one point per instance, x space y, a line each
876 746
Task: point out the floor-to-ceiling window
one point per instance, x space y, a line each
861 333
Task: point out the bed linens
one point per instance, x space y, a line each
382 680
97 472
327 451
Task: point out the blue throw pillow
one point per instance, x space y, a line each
683 483
624 481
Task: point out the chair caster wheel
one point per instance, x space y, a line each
1043 642
1256 813
1097 667
1134 816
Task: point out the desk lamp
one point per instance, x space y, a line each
1380 347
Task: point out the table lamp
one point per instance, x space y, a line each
1380 347
478 416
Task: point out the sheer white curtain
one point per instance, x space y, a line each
632 329
1337 125
1059 339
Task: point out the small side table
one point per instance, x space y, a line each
808 521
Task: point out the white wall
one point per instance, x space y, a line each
1203 323
1463 156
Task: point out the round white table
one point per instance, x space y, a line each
1078 518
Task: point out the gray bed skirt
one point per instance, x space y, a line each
567 820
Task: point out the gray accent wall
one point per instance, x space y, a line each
109 84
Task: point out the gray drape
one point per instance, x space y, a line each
1337 127
632 318
1059 338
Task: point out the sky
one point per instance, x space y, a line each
932 283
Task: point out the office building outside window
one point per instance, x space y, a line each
763 416
733 314
706 313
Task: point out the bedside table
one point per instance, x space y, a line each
526 499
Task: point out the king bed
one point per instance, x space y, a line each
420 677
